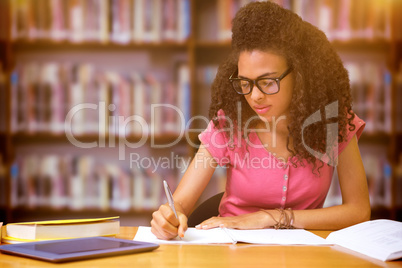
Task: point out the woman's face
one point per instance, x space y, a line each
255 64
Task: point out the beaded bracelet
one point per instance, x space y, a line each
285 221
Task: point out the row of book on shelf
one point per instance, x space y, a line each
53 97
120 21
85 182
42 95
379 174
340 20
88 182
125 21
371 86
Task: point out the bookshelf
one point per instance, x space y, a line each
176 56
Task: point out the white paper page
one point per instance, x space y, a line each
377 238
191 236
280 237
218 235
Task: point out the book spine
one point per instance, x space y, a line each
121 30
156 21
398 108
224 7
169 21
103 21
184 21
125 126
14 80
169 114
103 188
76 19
3 183
14 175
3 103
58 30
138 188
205 77
138 20
155 99
184 96
398 180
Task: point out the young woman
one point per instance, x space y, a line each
282 122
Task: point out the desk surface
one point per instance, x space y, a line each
239 255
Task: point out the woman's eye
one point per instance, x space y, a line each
244 84
266 83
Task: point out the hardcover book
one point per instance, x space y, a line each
61 229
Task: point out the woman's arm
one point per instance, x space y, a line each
164 223
355 205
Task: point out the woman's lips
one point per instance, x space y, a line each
262 109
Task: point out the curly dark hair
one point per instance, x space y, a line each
320 77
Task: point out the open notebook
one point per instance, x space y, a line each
224 235
380 239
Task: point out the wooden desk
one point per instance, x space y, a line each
221 256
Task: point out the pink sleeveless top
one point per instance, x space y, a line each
258 180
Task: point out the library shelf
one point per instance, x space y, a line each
32 138
370 45
381 212
375 138
340 45
213 44
26 45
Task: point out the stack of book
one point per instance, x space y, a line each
60 229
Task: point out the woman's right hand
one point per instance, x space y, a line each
165 225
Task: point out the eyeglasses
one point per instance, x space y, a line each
269 86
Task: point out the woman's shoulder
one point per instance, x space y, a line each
354 127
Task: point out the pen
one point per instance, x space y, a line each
234 241
169 198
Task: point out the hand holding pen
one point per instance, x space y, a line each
170 200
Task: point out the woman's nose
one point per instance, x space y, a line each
256 93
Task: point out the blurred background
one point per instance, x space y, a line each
72 72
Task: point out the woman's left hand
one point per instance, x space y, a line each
256 220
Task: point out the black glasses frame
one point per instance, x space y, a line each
255 82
